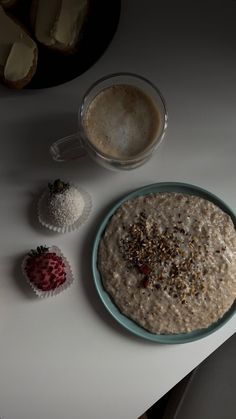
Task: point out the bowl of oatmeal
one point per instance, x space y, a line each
164 262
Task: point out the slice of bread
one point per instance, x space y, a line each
58 24
18 52
8 3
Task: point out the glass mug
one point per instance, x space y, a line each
78 144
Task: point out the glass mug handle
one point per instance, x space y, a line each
68 148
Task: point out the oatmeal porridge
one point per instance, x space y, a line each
168 260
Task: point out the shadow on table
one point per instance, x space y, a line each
31 141
31 160
6 92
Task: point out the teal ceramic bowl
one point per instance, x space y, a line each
107 301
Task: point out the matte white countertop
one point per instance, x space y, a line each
65 357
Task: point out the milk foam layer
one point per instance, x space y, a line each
122 121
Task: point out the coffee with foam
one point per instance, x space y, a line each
122 121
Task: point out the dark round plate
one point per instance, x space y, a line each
55 68
108 302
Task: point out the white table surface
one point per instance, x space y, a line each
66 357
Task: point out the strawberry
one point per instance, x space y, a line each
144 269
45 269
145 282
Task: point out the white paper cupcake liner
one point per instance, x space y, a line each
44 217
69 276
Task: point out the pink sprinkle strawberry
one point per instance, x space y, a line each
45 269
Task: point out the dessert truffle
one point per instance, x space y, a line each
63 207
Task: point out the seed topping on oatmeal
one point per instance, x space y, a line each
168 260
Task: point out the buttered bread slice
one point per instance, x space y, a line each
58 23
18 53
